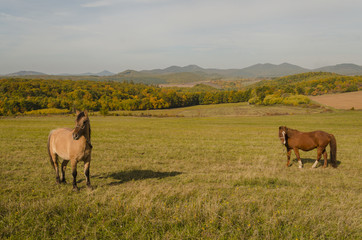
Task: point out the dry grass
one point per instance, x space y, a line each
224 110
341 100
180 178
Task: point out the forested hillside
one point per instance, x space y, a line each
314 83
301 85
20 95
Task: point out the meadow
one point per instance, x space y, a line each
207 176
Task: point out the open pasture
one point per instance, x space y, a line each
341 100
182 178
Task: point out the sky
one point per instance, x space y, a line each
78 36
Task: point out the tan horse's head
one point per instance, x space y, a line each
81 124
282 134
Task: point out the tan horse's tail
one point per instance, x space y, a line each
48 147
333 145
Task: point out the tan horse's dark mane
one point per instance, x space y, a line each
87 134
80 115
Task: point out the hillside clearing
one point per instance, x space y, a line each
340 100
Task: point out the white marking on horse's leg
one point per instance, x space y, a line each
315 164
300 164
283 133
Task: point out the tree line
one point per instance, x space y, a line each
294 89
18 95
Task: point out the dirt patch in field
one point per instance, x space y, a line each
341 100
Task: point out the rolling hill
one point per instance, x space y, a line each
25 73
344 69
258 70
194 73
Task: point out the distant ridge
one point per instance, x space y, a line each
25 73
259 70
104 73
271 70
175 69
100 74
265 70
343 69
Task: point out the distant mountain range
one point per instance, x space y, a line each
25 73
33 73
260 70
100 74
343 69
194 71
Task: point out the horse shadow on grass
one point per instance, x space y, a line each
134 175
312 161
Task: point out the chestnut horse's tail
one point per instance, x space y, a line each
333 146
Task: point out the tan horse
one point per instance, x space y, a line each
72 145
306 141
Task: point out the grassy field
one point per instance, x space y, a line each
221 177
224 110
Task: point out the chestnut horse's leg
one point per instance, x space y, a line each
74 173
289 152
319 155
86 171
64 166
298 157
325 158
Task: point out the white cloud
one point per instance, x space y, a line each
101 3
13 18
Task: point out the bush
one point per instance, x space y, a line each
47 111
104 111
352 88
286 99
254 100
272 100
296 100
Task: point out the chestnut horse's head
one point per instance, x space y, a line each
283 134
81 124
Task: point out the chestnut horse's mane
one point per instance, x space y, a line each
291 131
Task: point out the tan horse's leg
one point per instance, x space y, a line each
296 151
64 166
289 152
87 171
74 173
54 161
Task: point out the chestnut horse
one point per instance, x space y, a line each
306 141
72 145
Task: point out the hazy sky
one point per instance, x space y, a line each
75 36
